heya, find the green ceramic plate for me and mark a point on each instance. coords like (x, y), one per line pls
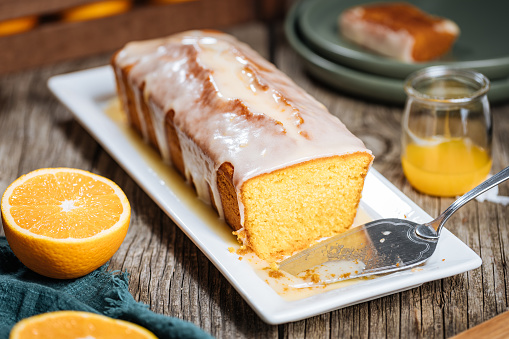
(352, 81)
(482, 44)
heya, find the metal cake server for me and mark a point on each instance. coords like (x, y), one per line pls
(378, 247)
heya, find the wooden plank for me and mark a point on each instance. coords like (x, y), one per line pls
(61, 41)
(19, 8)
(9, 9)
(495, 328)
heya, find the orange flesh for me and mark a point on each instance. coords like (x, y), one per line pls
(74, 324)
(65, 205)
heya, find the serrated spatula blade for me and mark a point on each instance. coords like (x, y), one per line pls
(380, 246)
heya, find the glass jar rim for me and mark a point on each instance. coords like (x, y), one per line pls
(437, 72)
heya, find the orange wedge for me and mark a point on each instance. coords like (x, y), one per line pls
(74, 324)
(64, 223)
(96, 10)
(17, 25)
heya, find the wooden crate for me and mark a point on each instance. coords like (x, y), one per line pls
(53, 40)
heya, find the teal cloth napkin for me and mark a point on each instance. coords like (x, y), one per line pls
(24, 293)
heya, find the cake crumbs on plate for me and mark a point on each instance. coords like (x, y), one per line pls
(276, 274)
(273, 271)
(231, 249)
(310, 274)
(243, 250)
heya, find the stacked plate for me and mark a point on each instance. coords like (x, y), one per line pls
(311, 28)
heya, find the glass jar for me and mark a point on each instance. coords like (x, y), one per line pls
(447, 130)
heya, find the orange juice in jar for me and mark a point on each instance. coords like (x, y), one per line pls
(447, 131)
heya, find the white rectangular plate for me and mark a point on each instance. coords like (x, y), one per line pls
(87, 93)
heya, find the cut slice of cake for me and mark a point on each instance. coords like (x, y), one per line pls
(399, 30)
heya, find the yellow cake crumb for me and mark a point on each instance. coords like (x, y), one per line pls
(321, 199)
(276, 274)
(242, 250)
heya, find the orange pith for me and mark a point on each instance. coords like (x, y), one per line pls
(74, 324)
(64, 223)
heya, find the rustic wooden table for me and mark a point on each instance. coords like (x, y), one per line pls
(169, 273)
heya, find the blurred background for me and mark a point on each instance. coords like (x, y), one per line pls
(39, 32)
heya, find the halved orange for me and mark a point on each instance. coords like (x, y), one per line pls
(75, 324)
(64, 223)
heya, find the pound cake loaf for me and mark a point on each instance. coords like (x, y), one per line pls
(275, 164)
(399, 30)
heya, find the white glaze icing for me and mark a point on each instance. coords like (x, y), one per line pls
(231, 105)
